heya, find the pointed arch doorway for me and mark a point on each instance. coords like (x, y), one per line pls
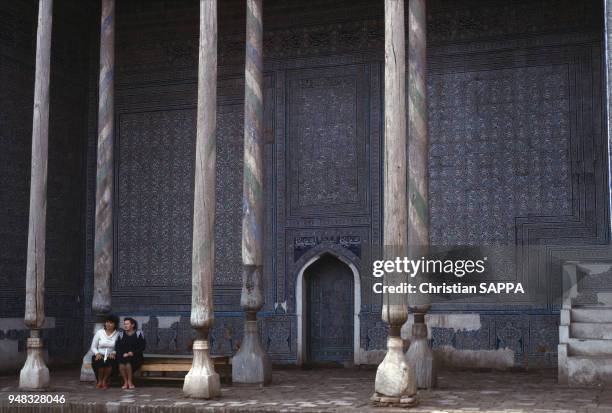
(328, 300)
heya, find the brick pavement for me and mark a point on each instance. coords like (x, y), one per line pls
(331, 390)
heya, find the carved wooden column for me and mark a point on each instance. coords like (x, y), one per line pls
(395, 381)
(202, 381)
(251, 364)
(607, 7)
(103, 238)
(35, 374)
(419, 354)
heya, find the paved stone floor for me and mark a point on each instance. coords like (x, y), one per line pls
(329, 390)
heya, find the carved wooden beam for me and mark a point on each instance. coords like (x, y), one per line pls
(395, 213)
(419, 354)
(202, 381)
(35, 374)
(395, 380)
(418, 209)
(103, 237)
(251, 364)
(253, 179)
(103, 242)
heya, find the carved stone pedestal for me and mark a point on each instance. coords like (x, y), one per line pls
(421, 358)
(394, 377)
(87, 373)
(34, 375)
(202, 382)
(251, 364)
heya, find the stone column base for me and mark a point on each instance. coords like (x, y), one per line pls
(34, 375)
(421, 358)
(202, 382)
(379, 400)
(87, 373)
(251, 364)
(562, 363)
(394, 376)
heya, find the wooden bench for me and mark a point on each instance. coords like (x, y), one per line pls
(174, 367)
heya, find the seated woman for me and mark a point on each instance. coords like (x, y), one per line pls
(103, 348)
(130, 347)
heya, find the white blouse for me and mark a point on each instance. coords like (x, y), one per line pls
(103, 343)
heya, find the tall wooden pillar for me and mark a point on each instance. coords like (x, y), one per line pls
(607, 36)
(103, 238)
(35, 374)
(419, 354)
(395, 381)
(202, 381)
(251, 364)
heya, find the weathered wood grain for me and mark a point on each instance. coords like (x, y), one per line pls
(251, 364)
(35, 269)
(35, 375)
(418, 210)
(103, 242)
(203, 258)
(202, 381)
(395, 213)
(394, 376)
(253, 201)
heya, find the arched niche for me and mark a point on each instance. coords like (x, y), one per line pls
(351, 261)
